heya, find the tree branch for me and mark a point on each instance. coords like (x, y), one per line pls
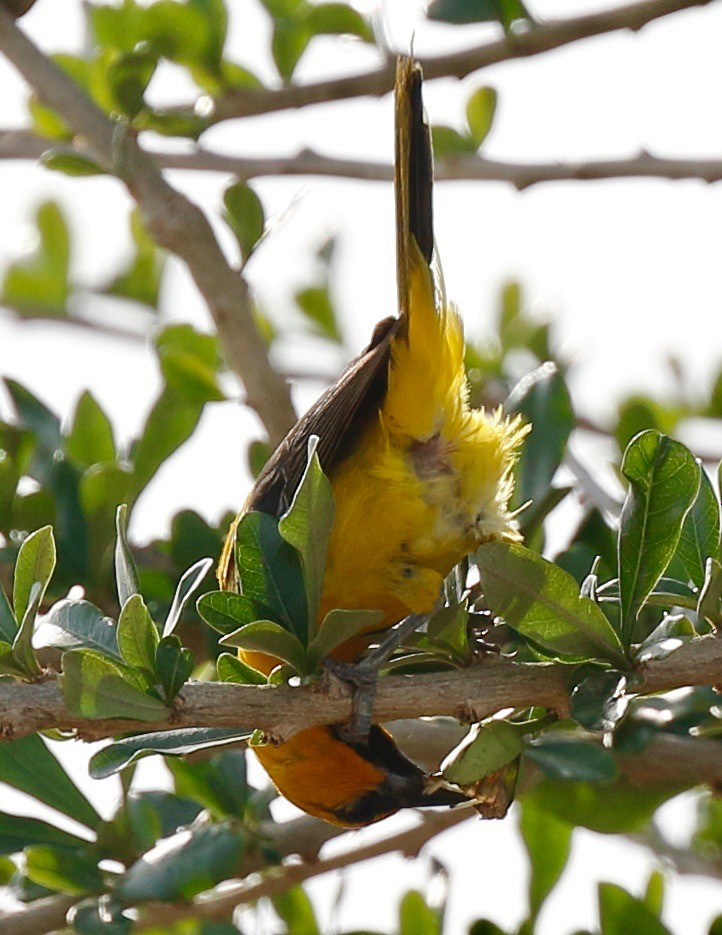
(467, 695)
(539, 38)
(23, 144)
(176, 224)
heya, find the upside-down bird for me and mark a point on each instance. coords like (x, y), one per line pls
(419, 480)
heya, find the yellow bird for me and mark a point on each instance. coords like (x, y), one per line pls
(419, 480)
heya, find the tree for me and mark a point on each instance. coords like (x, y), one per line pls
(591, 641)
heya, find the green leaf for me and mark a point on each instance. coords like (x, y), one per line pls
(416, 917)
(541, 398)
(189, 583)
(190, 862)
(90, 439)
(480, 110)
(171, 422)
(17, 833)
(39, 284)
(494, 744)
(35, 564)
(188, 367)
(548, 842)
(231, 669)
(542, 602)
(477, 11)
(654, 893)
(28, 765)
(265, 636)
(290, 38)
(565, 758)
(338, 19)
(226, 612)
(315, 303)
(126, 574)
(450, 144)
(270, 571)
(121, 754)
(669, 635)
(23, 652)
(127, 76)
(96, 687)
(8, 623)
(137, 635)
(710, 597)
(700, 536)
(99, 916)
(69, 163)
(85, 625)
(174, 664)
(307, 524)
(621, 913)
(664, 478)
(218, 784)
(63, 870)
(339, 626)
(140, 280)
(179, 32)
(244, 215)
(598, 701)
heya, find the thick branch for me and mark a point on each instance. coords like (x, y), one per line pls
(541, 38)
(23, 144)
(175, 222)
(468, 695)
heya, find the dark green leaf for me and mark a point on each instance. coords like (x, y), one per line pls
(258, 453)
(128, 76)
(17, 833)
(700, 536)
(126, 574)
(548, 842)
(565, 758)
(265, 636)
(673, 631)
(171, 422)
(270, 571)
(174, 665)
(231, 669)
(69, 163)
(117, 756)
(495, 743)
(542, 398)
(96, 687)
(306, 525)
(189, 583)
(664, 478)
(23, 652)
(477, 11)
(8, 623)
(226, 612)
(91, 917)
(35, 564)
(621, 913)
(598, 701)
(480, 110)
(63, 870)
(137, 635)
(191, 861)
(28, 765)
(543, 603)
(244, 215)
(90, 440)
(82, 625)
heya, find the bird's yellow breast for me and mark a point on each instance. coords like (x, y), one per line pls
(428, 479)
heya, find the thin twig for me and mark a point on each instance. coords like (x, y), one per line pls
(22, 144)
(468, 695)
(175, 222)
(378, 81)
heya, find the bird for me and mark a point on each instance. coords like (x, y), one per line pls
(420, 479)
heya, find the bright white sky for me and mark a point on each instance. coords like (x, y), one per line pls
(629, 269)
